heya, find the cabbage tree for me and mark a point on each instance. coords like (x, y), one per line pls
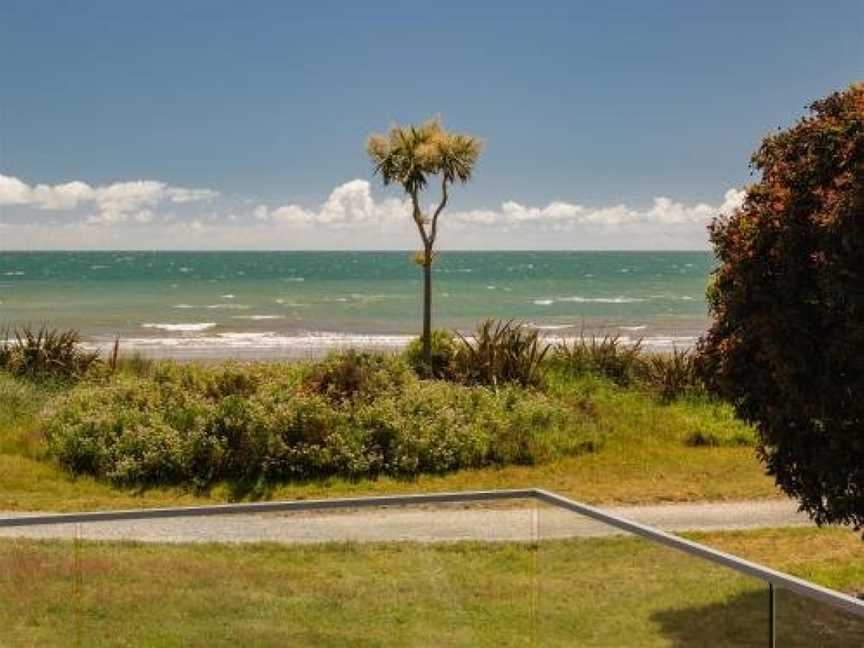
(413, 157)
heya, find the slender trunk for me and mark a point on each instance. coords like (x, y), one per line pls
(427, 308)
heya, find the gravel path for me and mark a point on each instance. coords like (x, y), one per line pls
(442, 523)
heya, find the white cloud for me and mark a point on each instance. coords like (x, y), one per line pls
(663, 211)
(732, 200)
(62, 196)
(349, 204)
(184, 195)
(13, 191)
(114, 203)
(153, 214)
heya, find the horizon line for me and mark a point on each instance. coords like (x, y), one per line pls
(351, 251)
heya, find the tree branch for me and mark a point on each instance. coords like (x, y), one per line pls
(439, 209)
(418, 220)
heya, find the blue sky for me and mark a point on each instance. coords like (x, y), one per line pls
(601, 108)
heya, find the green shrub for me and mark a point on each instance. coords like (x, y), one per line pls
(708, 422)
(436, 426)
(17, 398)
(499, 353)
(537, 429)
(136, 364)
(431, 428)
(197, 425)
(349, 374)
(444, 346)
(117, 361)
(5, 349)
(606, 356)
(44, 352)
(670, 375)
(21, 402)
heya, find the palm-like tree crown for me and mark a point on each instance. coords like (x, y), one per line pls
(409, 155)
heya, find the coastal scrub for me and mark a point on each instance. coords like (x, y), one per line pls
(351, 415)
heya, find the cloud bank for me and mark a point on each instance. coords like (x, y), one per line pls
(114, 203)
(153, 214)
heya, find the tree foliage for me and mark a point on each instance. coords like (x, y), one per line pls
(787, 342)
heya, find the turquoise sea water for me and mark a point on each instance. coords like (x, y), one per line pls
(295, 303)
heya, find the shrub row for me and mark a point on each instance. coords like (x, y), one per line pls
(352, 415)
(497, 353)
(505, 352)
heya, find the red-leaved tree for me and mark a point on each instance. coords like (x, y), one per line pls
(787, 342)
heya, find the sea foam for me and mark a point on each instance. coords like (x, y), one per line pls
(181, 328)
(601, 300)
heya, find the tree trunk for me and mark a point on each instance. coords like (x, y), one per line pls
(427, 308)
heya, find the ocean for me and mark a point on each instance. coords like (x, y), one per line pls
(301, 304)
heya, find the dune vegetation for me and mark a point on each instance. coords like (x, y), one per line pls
(595, 419)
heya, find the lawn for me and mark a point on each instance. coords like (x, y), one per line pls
(588, 592)
(645, 457)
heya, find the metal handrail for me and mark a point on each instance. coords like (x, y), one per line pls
(267, 507)
(772, 577)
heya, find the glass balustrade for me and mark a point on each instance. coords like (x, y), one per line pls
(488, 570)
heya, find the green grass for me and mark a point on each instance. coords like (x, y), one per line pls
(645, 457)
(587, 592)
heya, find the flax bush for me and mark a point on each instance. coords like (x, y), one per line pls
(44, 353)
(671, 375)
(499, 353)
(605, 356)
(496, 353)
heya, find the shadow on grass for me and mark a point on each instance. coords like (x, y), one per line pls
(249, 490)
(231, 491)
(743, 621)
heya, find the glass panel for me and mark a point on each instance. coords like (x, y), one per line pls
(602, 587)
(802, 621)
(414, 576)
(443, 575)
(510, 573)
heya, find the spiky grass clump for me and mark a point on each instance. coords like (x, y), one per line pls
(45, 352)
(501, 352)
(608, 357)
(671, 375)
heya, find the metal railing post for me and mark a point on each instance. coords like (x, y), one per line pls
(772, 617)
